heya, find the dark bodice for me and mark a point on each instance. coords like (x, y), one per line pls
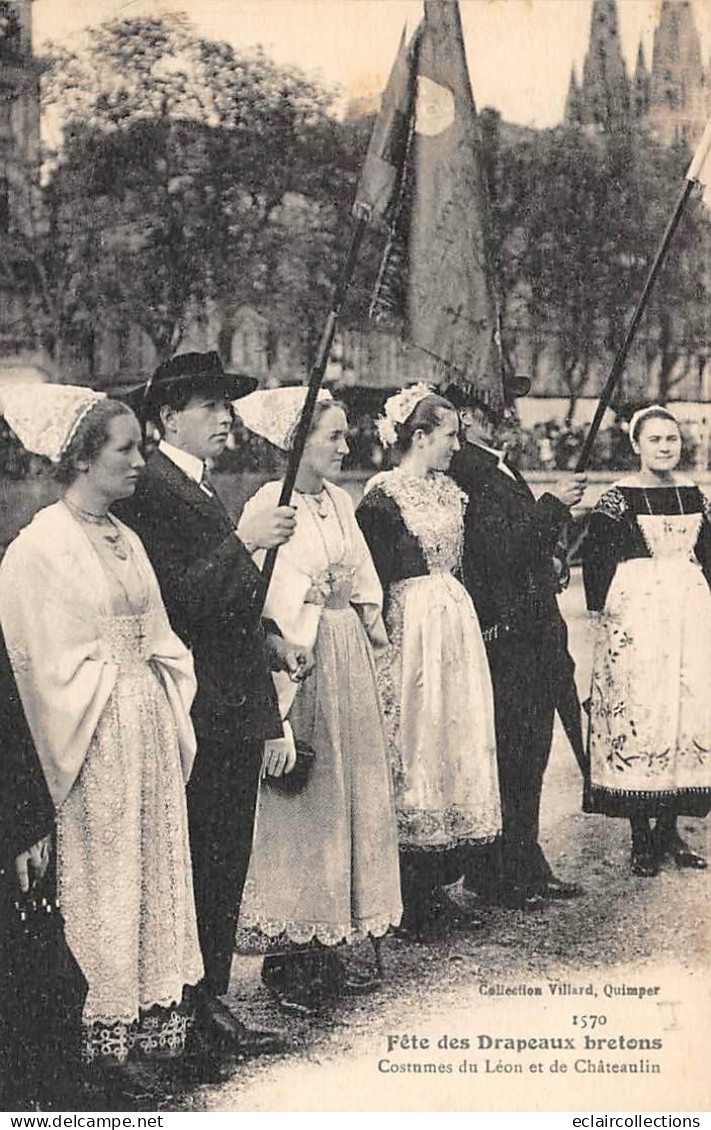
(413, 526)
(615, 535)
(397, 554)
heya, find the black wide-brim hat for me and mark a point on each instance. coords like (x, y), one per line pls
(516, 386)
(201, 372)
(467, 396)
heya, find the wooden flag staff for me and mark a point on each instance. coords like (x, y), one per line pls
(316, 375)
(621, 358)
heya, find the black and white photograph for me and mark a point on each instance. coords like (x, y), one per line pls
(355, 558)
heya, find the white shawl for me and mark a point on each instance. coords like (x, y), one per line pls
(300, 562)
(54, 600)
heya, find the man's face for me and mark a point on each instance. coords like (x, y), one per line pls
(478, 427)
(202, 427)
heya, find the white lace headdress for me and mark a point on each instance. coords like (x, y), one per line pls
(651, 409)
(45, 417)
(397, 410)
(273, 413)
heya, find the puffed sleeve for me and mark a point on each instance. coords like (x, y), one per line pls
(378, 518)
(603, 548)
(286, 604)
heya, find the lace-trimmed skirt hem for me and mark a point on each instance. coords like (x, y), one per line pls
(261, 936)
(171, 998)
(159, 1031)
(423, 830)
(450, 845)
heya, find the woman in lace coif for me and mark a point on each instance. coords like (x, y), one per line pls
(324, 865)
(647, 571)
(107, 688)
(435, 681)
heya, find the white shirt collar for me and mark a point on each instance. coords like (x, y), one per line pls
(500, 457)
(189, 464)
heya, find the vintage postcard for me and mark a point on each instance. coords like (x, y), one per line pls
(586, 987)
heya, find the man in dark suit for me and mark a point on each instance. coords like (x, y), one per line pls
(213, 593)
(26, 823)
(509, 572)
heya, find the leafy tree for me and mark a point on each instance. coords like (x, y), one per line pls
(56, 251)
(577, 219)
(677, 325)
(184, 157)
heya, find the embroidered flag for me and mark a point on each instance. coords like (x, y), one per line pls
(378, 181)
(434, 285)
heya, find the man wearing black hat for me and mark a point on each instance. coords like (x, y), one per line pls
(214, 593)
(509, 572)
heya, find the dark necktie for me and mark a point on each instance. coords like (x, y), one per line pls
(208, 489)
(206, 483)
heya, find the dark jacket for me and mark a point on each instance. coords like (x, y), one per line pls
(213, 593)
(509, 540)
(42, 989)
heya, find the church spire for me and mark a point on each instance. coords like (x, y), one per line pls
(15, 29)
(680, 96)
(640, 86)
(573, 102)
(605, 89)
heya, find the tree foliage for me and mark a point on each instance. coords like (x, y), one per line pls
(186, 158)
(576, 221)
(188, 174)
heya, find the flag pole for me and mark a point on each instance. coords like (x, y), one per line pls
(377, 184)
(619, 362)
(362, 215)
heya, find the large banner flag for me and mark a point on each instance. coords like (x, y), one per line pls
(378, 184)
(700, 167)
(423, 173)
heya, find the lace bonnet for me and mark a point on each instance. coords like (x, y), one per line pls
(398, 409)
(45, 417)
(273, 413)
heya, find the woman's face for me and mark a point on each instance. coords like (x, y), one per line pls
(441, 443)
(658, 444)
(113, 474)
(326, 446)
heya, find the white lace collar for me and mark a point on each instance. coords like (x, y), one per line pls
(432, 508)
